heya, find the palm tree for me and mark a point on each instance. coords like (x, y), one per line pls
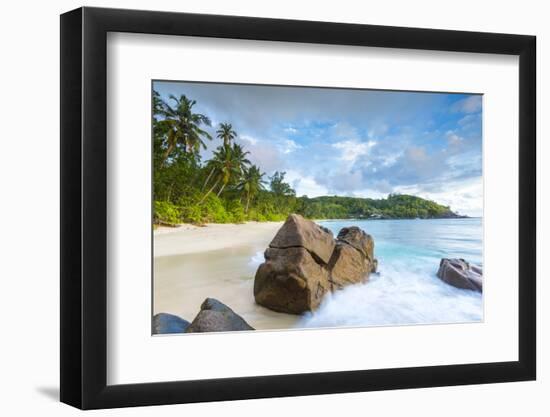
(183, 126)
(227, 164)
(221, 166)
(226, 133)
(251, 183)
(239, 155)
(157, 104)
(234, 164)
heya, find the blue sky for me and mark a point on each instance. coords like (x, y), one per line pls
(364, 143)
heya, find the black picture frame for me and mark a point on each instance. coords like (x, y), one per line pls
(84, 207)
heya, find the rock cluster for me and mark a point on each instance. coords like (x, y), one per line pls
(461, 274)
(304, 262)
(214, 316)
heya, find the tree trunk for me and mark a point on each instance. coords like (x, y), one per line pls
(209, 191)
(221, 189)
(169, 196)
(167, 154)
(208, 178)
(247, 201)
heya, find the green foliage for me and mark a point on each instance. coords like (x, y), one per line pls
(191, 212)
(396, 206)
(180, 125)
(229, 189)
(166, 212)
(213, 210)
(251, 183)
(278, 186)
(235, 210)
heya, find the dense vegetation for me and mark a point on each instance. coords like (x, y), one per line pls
(228, 188)
(396, 206)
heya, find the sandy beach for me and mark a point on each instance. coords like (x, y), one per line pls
(188, 238)
(217, 260)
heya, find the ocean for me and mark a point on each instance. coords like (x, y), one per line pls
(406, 289)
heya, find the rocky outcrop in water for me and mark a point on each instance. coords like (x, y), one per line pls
(215, 316)
(304, 262)
(461, 274)
(357, 238)
(353, 257)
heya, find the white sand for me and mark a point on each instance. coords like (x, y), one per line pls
(188, 238)
(219, 261)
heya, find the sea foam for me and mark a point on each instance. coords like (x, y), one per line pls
(397, 296)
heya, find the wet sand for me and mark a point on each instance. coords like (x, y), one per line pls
(218, 261)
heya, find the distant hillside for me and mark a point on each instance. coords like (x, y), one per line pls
(396, 206)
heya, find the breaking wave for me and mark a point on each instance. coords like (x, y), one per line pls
(397, 296)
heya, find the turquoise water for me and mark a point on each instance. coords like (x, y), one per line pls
(406, 290)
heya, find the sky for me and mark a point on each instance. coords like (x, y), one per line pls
(353, 142)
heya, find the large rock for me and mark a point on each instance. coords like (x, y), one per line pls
(348, 266)
(164, 323)
(290, 281)
(217, 317)
(460, 274)
(300, 232)
(304, 262)
(357, 238)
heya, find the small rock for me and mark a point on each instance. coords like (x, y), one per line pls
(164, 323)
(217, 317)
(460, 274)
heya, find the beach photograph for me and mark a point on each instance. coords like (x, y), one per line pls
(293, 207)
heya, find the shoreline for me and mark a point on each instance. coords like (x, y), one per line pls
(187, 238)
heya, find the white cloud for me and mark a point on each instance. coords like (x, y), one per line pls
(351, 149)
(468, 120)
(263, 153)
(344, 130)
(453, 139)
(342, 180)
(249, 139)
(305, 185)
(390, 159)
(377, 131)
(288, 146)
(470, 104)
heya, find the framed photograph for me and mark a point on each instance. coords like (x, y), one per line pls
(257, 208)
